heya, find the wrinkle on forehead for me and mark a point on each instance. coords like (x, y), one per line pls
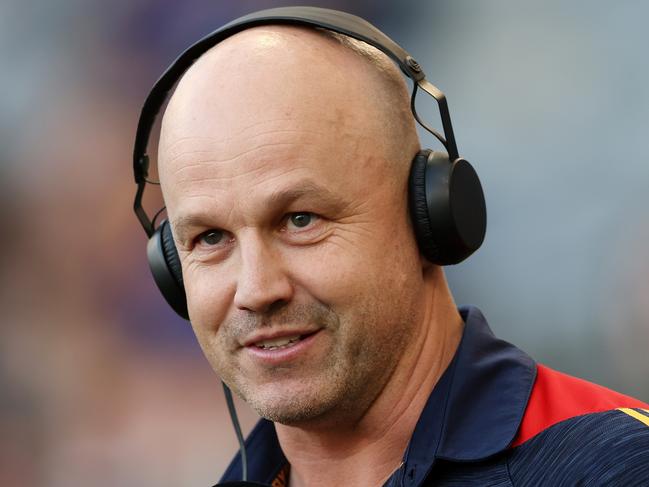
(244, 154)
(265, 135)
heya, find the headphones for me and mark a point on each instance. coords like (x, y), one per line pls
(446, 202)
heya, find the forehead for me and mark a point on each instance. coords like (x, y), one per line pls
(262, 74)
(273, 155)
(261, 109)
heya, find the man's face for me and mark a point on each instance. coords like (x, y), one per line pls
(300, 268)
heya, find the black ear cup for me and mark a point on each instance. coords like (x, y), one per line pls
(447, 207)
(165, 267)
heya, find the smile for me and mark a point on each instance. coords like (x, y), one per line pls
(278, 350)
(277, 343)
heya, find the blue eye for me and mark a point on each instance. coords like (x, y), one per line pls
(301, 220)
(211, 237)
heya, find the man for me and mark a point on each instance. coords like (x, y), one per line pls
(284, 160)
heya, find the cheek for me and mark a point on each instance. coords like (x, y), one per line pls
(209, 298)
(328, 272)
(348, 275)
(209, 295)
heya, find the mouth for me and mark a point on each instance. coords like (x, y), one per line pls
(281, 349)
(279, 343)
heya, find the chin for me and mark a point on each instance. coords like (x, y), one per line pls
(315, 408)
(293, 403)
(292, 409)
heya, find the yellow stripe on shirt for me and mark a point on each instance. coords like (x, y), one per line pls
(635, 414)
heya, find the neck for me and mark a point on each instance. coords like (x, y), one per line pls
(367, 451)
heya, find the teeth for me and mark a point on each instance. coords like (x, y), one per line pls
(276, 343)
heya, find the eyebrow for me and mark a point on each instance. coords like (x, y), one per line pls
(277, 200)
(181, 226)
(307, 189)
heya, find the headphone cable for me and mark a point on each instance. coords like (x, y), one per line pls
(237, 430)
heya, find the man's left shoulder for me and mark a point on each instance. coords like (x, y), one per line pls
(606, 448)
(575, 431)
(557, 397)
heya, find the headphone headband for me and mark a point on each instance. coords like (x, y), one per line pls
(332, 20)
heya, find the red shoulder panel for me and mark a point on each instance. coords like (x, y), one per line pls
(556, 397)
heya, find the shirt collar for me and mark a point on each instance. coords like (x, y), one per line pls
(477, 405)
(473, 412)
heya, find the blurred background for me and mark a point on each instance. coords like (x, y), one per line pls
(103, 385)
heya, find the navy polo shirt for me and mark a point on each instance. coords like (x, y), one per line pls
(470, 431)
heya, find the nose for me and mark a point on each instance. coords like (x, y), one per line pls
(262, 281)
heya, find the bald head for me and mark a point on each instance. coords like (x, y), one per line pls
(281, 72)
